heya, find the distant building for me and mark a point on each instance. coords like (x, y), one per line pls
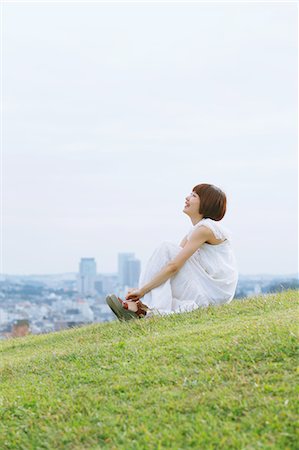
(122, 267)
(110, 283)
(99, 286)
(128, 269)
(87, 276)
(133, 267)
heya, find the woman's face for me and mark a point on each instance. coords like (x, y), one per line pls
(192, 203)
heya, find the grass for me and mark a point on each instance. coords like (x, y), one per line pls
(216, 378)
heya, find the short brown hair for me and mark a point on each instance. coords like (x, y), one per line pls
(212, 201)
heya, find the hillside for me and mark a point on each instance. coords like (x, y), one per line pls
(221, 377)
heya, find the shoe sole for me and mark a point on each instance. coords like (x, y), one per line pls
(111, 306)
(124, 314)
(120, 312)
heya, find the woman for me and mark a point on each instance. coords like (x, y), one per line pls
(198, 272)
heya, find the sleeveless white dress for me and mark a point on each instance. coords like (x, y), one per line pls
(208, 277)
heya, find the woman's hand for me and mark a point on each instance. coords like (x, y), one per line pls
(134, 294)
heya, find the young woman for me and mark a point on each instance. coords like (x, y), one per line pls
(198, 272)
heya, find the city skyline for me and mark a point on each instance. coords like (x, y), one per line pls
(116, 272)
(108, 126)
(90, 281)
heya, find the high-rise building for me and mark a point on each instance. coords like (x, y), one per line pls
(122, 267)
(87, 276)
(134, 266)
(128, 270)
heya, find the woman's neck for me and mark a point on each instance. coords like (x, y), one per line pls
(196, 220)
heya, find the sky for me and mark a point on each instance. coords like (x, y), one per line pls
(113, 113)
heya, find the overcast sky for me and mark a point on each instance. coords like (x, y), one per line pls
(113, 113)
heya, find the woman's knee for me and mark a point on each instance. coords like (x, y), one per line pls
(168, 248)
(169, 245)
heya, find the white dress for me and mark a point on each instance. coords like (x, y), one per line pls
(208, 277)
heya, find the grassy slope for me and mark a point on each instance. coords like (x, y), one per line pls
(221, 377)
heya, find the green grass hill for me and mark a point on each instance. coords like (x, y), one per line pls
(216, 378)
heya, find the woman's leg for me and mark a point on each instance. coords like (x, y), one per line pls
(182, 292)
(159, 298)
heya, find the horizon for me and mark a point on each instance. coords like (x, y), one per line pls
(116, 273)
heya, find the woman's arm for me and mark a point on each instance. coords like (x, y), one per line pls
(167, 272)
(184, 242)
(197, 238)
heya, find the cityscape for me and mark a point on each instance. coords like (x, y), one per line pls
(36, 304)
